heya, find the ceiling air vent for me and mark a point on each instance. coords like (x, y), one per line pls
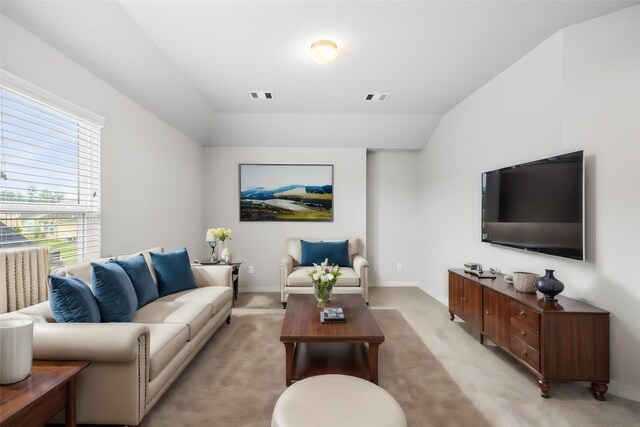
(377, 96)
(259, 95)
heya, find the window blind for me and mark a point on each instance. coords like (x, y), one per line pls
(49, 174)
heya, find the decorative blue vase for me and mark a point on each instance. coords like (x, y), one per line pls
(549, 286)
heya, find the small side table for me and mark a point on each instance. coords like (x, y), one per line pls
(50, 388)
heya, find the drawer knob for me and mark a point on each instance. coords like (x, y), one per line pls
(522, 313)
(523, 333)
(524, 352)
(488, 312)
(462, 299)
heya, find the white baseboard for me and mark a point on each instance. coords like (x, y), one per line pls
(622, 390)
(393, 284)
(260, 289)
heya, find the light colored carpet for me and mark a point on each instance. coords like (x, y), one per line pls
(239, 374)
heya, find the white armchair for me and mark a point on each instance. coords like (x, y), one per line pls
(294, 279)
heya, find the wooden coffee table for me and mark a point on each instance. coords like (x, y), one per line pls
(314, 348)
(33, 401)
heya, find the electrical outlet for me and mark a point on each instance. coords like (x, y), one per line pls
(399, 266)
(250, 269)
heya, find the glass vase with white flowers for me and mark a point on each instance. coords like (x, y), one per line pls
(324, 278)
(222, 234)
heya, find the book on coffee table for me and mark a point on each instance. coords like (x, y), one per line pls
(332, 315)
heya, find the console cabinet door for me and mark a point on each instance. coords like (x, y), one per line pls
(496, 317)
(455, 294)
(472, 301)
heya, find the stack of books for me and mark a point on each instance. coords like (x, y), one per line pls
(332, 315)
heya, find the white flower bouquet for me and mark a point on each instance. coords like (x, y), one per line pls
(324, 277)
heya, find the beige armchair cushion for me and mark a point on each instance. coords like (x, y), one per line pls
(299, 277)
(194, 315)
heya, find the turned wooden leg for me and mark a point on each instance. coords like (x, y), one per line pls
(599, 389)
(229, 320)
(452, 315)
(544, 388)
(481, 339)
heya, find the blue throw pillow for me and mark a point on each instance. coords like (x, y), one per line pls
(173, 271)
(114, 291)
(71, 300)
(316, 252)
(138, 271)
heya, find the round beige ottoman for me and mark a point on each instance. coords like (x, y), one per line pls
(336, 401)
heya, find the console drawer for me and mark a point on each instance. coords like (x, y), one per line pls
(524, 332)
(526, 315)
(524, 352)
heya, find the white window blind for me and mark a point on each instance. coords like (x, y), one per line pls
(49, 173)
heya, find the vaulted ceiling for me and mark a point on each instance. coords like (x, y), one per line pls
(193, 63)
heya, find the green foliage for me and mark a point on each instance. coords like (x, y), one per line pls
(32, 195)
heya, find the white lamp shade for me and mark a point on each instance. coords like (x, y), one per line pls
(210, 236)
(324, 51)
(16, 350)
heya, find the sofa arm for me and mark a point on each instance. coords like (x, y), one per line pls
(94, 342)
(212, 275)
(286, 265)
(361, 266)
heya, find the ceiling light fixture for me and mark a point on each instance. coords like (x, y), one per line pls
(324, 51)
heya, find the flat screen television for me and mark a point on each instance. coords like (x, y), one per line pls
(536, 206)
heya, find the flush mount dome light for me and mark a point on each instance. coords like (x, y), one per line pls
(324, 51)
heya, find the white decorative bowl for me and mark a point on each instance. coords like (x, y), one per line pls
(16, 350)
(525, 282)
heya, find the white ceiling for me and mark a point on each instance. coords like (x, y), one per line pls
(192, 63)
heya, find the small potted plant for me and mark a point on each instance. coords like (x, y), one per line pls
(324, 277)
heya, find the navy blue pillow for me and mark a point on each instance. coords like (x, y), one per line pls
(316, 252)
(114, 291)
(71, 300)
(138, 271)
(173, 271)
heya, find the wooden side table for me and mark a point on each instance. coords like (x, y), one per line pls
(33, 401)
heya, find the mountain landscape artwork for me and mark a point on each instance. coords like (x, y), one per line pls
(285, 192)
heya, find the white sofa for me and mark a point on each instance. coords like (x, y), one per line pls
(294, 278)
(133, 364)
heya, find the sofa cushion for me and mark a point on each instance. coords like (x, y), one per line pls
(167, 339)
(114, 291)
(193, 314)
(217, 296)
(144, 285)
(299, 277)
(173, 271)
(336, 253)
(72, 301)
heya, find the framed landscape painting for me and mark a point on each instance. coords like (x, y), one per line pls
(286, 192)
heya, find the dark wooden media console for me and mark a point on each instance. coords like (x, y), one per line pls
(563, 341)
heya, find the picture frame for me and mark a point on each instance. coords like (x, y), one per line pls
(285, 192)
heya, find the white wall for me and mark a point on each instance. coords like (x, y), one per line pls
(392, 217)
(373, 131)
(151, 173)
(580, 89)
(261, 244)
